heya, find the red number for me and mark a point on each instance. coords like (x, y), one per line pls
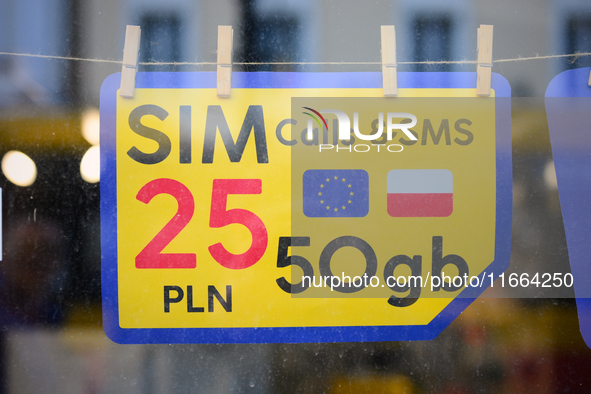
(221, 217)
(151, 256)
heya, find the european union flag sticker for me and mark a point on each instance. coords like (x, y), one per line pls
(336, 193)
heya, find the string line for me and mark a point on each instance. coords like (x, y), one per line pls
(427, 62)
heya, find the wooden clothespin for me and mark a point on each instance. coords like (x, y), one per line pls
(131, 51)
(225, 38)
(389, 64)
(484, 68)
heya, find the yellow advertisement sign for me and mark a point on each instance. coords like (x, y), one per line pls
(209, 204)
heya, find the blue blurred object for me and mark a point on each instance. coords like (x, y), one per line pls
(568, 107)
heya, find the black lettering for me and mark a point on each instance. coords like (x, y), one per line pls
(439, 262)
(324, 136)
(429, 130)
(280, 136)
(406, 142)
(226, 304)
(371, 261)
(216, 120)
(350, 141)
(467, 133)
(335, 135)
(164, 144)
(384, 137)
(168, 300)
(335, 132)
(416, 271)
(185, 134)
(283, 260)
(190, 307)
(313, 141)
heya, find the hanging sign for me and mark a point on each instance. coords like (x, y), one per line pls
(304, 208)
(568, 99)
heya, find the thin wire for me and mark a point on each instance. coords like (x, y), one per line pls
(61, 57)
(428, 62)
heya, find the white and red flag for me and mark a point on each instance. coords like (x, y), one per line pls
(420, 193)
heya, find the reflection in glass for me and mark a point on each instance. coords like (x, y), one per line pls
(91, 126)
(161, 38)
(90, 166)
(19, 168)
(433, 42)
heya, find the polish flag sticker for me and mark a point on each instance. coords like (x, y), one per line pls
(420, 193)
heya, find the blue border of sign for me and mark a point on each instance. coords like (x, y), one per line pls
(570, 149)
(269, 80)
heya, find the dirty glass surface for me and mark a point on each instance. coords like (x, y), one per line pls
(51, 336)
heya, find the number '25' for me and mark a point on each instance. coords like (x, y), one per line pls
(151, 255)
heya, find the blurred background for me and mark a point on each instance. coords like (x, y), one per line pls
(51, 337)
